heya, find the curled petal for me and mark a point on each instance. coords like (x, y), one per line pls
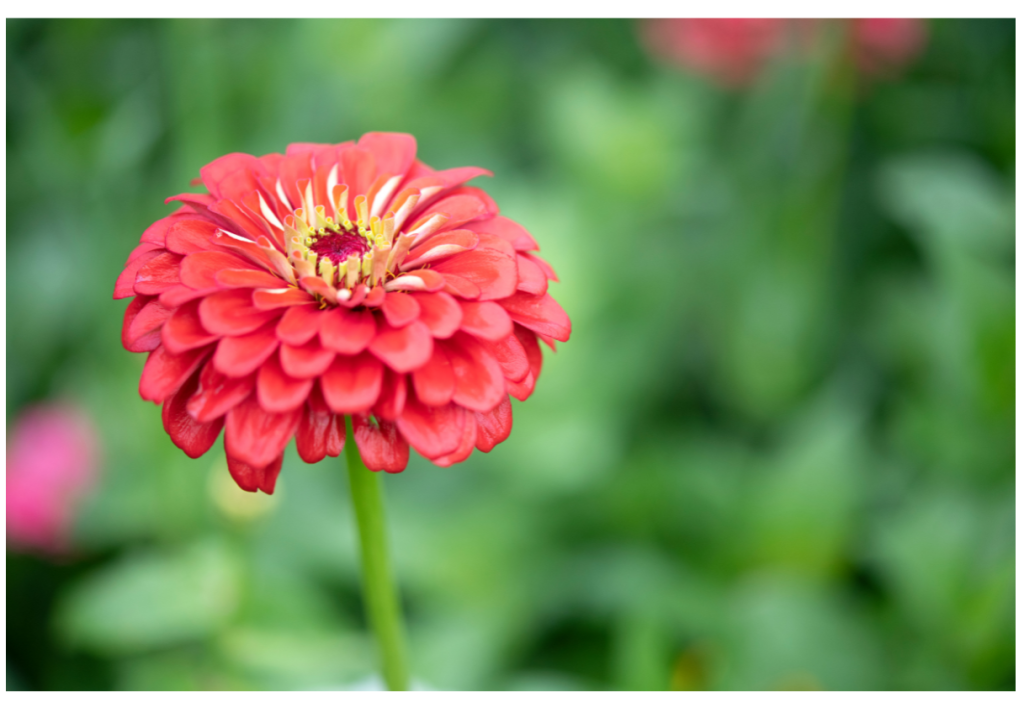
(272, 298)
(433, 432)
(512, 232)
(405, 348)
(184, 331)
(320, 434)
(486, 320)
(240, 356)
(400, 309)
(493, 272)
(352, 383)
(441, 246)
(257, 437)
(494, 427)
(392, 396)
(191, 235)
(467, 440)
(125, 286)
(347, 332)
(143, 319)
(232, 313)
(434, 382)
(539, 313)
(164, 372)
(252, 479)
(218, 393)
(158, 274)
(381, 446)
(511, 357)
(300, 324)
(440, 312)
(277, 391)
(192, 437)
(306, 361)
(479, 383)
(531, 277)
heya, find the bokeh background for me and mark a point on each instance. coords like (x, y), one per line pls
(777, 453)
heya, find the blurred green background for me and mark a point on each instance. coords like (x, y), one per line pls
(778, 451)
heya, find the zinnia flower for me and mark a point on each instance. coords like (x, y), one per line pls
(51, 466)
(336, 280)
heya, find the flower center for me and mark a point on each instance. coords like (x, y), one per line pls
(338, 246)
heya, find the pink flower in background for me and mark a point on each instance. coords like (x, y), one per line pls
(733, 52)
(51, 465)
(884, 45)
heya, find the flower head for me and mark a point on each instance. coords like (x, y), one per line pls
(334, 280)
(51, 465)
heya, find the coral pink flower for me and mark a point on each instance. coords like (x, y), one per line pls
(335, 280)
(51, 465)
(733, 52)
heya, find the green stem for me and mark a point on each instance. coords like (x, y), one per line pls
(379, 592)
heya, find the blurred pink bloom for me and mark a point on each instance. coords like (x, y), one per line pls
(733, 52)
(51, 465)
(883, 45)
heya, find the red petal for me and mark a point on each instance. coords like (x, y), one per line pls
(158, 274)
(271, 299)
(441, 246)
(183, 331)
(466, 442)
(193, 438)
(277, 391)
(164, 372)
(393, 152)
(125, 286)
(218, 393)
(459, 209)
(300, 324)
(400, 309)
(486, 320)
(434, 382)
(531, 278)
(238, 278)
(392, 396)
(188, 236)
(494, 427)
(240, 356)
(320, 434)
(544, 266)
(359, 168)
(403, 349)
(479, 383)
(512, 232)
(306, 361)
(180, 294)
(539, 313)
(380, 445)
(232, 313)
(199, 270)
(521, 390)
(493, 272)
(143, 319)
(256, 437)
(375, 297)
(511, 357)
(352, 383)
(347, 332)
(231, 175)
(250, 479)
(440, 312)
(433, 432)
(462, 287)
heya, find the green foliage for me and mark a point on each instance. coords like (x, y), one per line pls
(777, 453)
